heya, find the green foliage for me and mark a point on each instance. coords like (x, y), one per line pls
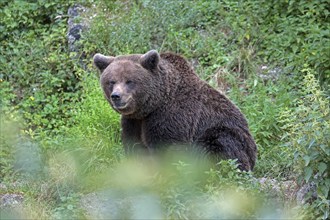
(23, 16)
(286, 33)
(183, 28)
(226, 175)
(300, 34)
(190, 182)
(308, 132)
(41, 83)
(7, 139)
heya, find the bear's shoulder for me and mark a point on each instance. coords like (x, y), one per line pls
(179, 63)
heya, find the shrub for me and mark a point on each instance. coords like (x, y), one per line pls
(308, 132)
(41, 83)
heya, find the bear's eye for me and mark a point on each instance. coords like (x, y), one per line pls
(112, 82)
(129, 82)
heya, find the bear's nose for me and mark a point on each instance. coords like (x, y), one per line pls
(115, 96)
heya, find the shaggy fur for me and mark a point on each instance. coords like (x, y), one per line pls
(164, 103)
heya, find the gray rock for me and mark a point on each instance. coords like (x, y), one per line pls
(307, 193)
(286, 189)
(266, 73)
(10, 200)
(290, 190)
(76, 24)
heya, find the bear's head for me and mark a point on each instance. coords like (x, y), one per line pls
(132, 83)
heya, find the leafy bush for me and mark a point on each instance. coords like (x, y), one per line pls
(308, 132)
(41, 84)
(293, 33)
(304, 36)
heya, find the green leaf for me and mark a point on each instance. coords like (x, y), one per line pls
(307, 160)
(325, 149)
(308, 173)
(322, 167)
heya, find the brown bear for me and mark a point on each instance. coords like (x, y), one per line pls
(163, 102)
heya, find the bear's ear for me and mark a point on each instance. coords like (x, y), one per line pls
(150, 60)
(101, 61)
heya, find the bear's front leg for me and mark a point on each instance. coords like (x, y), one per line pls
(131, 137)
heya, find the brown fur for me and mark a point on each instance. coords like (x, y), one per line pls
(163, 102)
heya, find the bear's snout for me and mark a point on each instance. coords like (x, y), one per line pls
(122, 102)
(115, 96)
